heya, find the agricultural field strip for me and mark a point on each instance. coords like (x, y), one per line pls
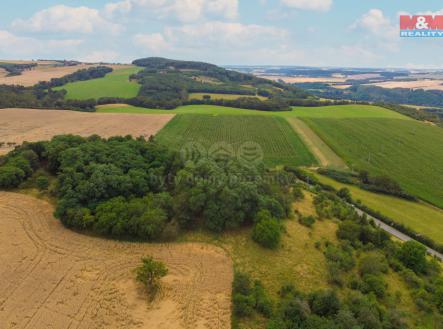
(58, 278)
(114, 84)
(325, 156)
(280, 143)
(19, 125)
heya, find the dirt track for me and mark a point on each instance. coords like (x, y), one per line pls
(51, 277)
(19, 125)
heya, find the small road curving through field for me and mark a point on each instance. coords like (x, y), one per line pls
(52, 277)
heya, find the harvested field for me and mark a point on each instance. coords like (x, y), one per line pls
(45, 73)
(19, 125)
(52, 277)
(302, 79)
(417, 84)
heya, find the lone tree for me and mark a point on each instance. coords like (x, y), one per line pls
(149, 274)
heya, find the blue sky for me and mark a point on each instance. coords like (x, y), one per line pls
(358, 33)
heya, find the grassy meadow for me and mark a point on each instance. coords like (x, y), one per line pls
(114, 84)
(384, 143)
(278, 141)
(421, 217)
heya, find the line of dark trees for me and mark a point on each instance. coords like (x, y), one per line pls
(80, 75)
(42, 95)
(16, 69)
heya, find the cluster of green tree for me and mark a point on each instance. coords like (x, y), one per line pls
(30, 97)
(378, 184)
(167, 83)
(311, 180)
(80, 75)
(357, 234)
(16, 69)
(123, 187)
(249, 103)
(374, 94)
(322, 309)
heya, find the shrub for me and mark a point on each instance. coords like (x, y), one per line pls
(375, 284)
(373, 263)
(42, 182)
(11, 176)
(307, 221)
(267, 233)
(243, 305)
(413, 255)
(324, 303)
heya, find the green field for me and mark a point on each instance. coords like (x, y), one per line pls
(199, 96)
(364, 136)
(114, 84)
(274, 136)
(421, 217)
(384, 143)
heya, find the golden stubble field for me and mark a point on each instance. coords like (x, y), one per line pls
(19, 125)
(45, 73)
(52, 277)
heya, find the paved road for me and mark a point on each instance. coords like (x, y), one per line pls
(395, 232)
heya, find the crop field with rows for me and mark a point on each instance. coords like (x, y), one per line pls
(278, 142)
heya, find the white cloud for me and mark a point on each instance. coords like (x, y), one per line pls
(13, 45)
(221, 42)
(100, 56)
(183, 10)
(316, 5)
(63, 18)
(377, 24)
(155, 42)
(213, 34)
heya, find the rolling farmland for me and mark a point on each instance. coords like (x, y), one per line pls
(221, 96)
(385, 143)
(115, 84)
(274, 135)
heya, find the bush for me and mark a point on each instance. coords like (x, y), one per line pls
(42, 182)
(324, 303)
(11, 177)
(373, 263)
(375, 284)
(243, 305)
(413, 255)
(307, 221)
(267, 233)
(149, 274)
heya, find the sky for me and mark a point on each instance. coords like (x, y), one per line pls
(345, 33)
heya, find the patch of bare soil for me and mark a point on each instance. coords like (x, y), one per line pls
(19, 125)
(52, 277)
(45, 73)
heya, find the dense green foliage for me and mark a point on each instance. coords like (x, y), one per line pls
(267, 230)
(405, 150)
(123, 187)
(271, 137)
